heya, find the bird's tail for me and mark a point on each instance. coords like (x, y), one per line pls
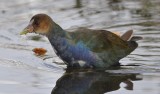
(128, 36)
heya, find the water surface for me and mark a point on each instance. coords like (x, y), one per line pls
(21, 72)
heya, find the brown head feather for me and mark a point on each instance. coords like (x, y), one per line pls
(41, 23)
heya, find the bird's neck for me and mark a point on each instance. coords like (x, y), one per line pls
(58, 38)
(56, 31)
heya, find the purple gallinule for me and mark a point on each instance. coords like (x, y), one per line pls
(84, 47)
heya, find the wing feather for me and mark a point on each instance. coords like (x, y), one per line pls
(107, 45)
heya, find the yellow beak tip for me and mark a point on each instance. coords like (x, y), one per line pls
(23, 32)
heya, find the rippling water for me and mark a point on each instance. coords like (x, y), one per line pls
(21, 72)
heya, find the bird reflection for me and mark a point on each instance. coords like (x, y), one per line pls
(92, 82)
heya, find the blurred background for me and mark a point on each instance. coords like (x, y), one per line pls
(21, 72)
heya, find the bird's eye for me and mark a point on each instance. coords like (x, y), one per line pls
(36, 23)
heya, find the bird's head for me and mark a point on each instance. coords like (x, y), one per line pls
(39, 23)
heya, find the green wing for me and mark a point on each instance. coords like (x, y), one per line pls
(108, 46)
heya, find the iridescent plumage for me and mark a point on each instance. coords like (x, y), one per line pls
(84, 47)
